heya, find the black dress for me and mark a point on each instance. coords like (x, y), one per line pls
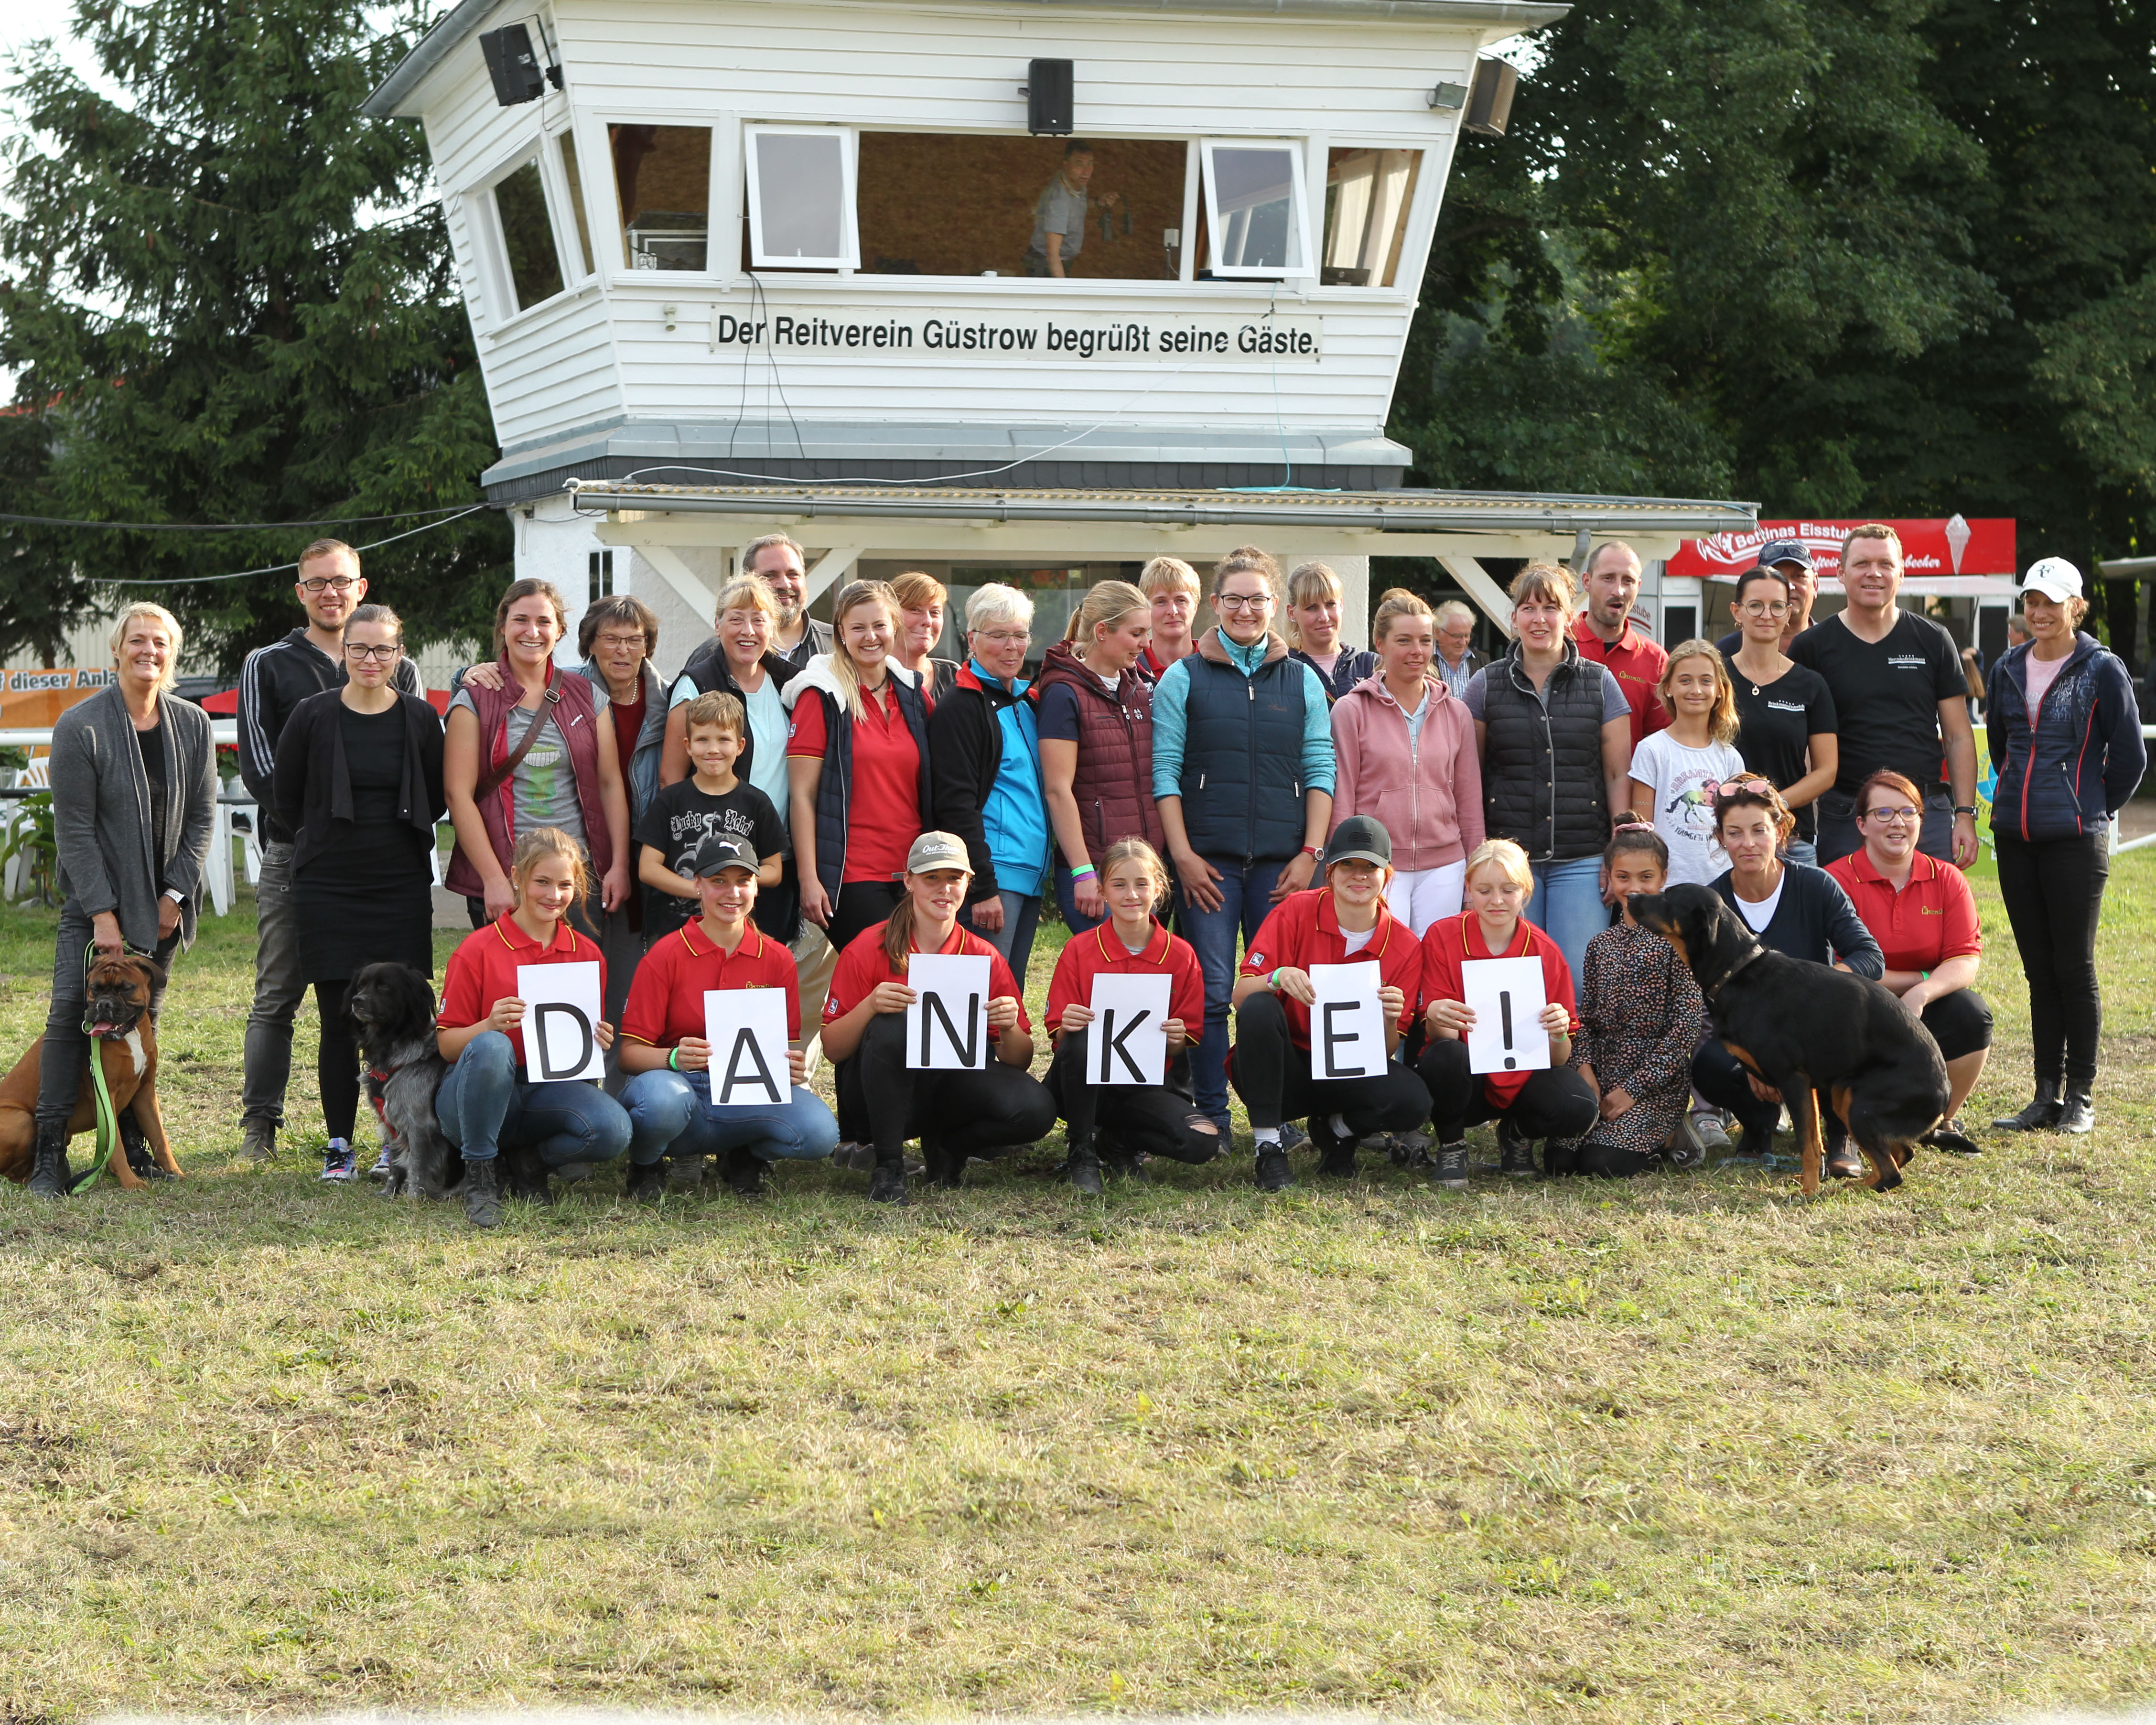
(368, 897)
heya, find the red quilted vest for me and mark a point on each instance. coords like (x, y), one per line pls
(1114, 780)
(578, 718)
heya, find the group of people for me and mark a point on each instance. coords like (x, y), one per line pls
(804, 806)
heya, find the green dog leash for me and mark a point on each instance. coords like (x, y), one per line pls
(108, 1118)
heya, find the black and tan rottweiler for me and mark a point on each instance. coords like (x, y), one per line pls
(1796, 1026)
(124, 1041)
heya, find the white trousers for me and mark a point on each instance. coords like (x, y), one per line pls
(1423, 897)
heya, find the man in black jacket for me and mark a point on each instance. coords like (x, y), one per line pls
(274, 680)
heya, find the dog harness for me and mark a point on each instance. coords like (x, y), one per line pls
(377, 1080)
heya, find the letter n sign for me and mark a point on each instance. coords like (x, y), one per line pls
(946, 1026)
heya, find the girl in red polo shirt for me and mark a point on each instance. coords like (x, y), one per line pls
(663, 1041)
(486, 1107)
(1557, 1102)
(956, 1114)
(1116, 1124)
(1344, 922)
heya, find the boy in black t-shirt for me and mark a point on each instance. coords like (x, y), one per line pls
(709, 802)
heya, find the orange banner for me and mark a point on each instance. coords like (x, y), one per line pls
(32, 700)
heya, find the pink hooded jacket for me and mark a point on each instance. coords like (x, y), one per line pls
(1428, 796)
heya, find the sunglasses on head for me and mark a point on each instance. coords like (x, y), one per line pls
(1731, 787)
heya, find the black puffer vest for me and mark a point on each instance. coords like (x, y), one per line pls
(1542, 759)
(1242, 753)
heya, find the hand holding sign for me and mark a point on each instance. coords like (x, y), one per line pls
(1347, 1021)
(946, 1026)
(749, 1064)
(1508, 1000)
(1129, 1032)
(561, 1024)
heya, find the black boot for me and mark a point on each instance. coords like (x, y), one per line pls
(647, 1181)
(2041, 1116)
(50, 1176)
(744, 1173)
(2076, 1113)
(887, 1184)
(483, 1193)
(1083, 1167)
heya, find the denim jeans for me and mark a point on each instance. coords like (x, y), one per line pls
(1567, 906)
(266, 1061)
(484, 1106)
(1066, 900)
(1014, 939)
(673, 1111)
(1801, 850)
(1245, 902)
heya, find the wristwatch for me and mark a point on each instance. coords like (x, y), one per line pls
(1315, 852)
(1967, 808)
(176, 896)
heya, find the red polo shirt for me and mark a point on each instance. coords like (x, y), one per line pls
(1931, 920)
(864, 964)
(1637, 664)
(1454, 940)
(1099, 951)
(882, 803)
(666, 1000)
(1304, 930)
(483, 970)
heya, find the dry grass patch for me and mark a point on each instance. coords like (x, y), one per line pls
(1676, 1449)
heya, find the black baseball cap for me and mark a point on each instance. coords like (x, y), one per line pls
(1359, 836)
(718, 851)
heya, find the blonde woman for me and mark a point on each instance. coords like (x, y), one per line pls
(858, 769)
(134, 793)
(1674, 771)
(1171, 586)
(1314, 599)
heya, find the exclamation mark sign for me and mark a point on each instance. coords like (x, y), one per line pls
(1505, 1017)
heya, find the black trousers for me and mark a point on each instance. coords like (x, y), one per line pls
(1155, 1119)
(1556, 1102)
(1272, 1076)
(1960, 1023)
(860, 906)
(972, 1113)
(2054, 894)
(336, 1062)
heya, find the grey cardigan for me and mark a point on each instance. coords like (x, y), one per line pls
(102, 813)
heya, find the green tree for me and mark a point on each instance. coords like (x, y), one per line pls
(233, 299)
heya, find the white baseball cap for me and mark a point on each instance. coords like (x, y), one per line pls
(2054, 577)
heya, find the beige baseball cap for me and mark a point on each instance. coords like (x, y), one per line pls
(937, 850)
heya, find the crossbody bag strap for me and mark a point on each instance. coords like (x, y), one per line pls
(499, 777)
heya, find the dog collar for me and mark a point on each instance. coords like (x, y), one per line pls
(1722, 980)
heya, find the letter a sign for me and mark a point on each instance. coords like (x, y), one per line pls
(1127, 1043)
(746, 1029)
(946, 1028)
(560, 1008)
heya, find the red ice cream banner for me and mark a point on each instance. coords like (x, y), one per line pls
(1952, 547)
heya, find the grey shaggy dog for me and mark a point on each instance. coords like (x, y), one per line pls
(391, 1010)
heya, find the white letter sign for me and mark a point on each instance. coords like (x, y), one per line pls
(1127, 1041)
(1347, 1023)
(1506, 997)
(746, 1029)
(561, 1007)
(946, 1028)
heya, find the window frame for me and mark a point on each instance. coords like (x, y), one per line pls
(577, 235)
(1296, 150)
(492, 236)
(848, 260)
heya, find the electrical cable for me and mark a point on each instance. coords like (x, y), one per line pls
(276, 568)
(331, 520)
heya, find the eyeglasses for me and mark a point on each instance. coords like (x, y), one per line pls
(1242, 601)
(1733, 786)
(1894, 817)
(356, 652)
(1765, 608)
(621, 643)
(336, 583)
(1008, 638)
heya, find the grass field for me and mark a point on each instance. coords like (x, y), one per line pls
(1682, 1449)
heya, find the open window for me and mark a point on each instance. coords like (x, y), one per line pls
(1256, 211)
(573, 179)
(801, 198)
(662, 181)
(531, 263)
(1367, 193)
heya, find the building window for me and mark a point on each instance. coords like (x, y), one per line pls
(662, 183)
(574, 180)
(934, 203)
(602, 576)
(527, 236)
(1367, 196)
(801, 198)
(1255, 212)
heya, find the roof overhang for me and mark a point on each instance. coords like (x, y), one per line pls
(396, 97)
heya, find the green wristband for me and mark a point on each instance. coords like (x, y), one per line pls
(674, 1058)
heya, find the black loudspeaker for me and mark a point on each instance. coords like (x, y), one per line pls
(1489, 105)
(1050, 99)
(512, 65)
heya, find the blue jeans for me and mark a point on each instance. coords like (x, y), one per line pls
(1245, 902)
(484, 1107)
(1014, 939)
(1801, 850)
(674, 1110)
(1066, 900)
(1567, 906)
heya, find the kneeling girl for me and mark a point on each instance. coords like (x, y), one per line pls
(486, 1108)
(662, 1044)
(1556, 1103)
(1116, 1124)
(883, 1101)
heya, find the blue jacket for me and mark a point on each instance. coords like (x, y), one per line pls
(2073, 769)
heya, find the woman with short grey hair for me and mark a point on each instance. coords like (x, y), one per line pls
(134, 798)
(984, 752)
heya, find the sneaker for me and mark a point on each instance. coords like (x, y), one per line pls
(1336, 1155)
(382, 1165)
(1272, 1172)
(1450, 1170)
(887, 1185)
(1083, 1168)
(257, 1140)
(1293, 1137)
(744, 1173)
(1686, 1147)
(340, 1161)
(1516, 1154)
(684, 1173)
